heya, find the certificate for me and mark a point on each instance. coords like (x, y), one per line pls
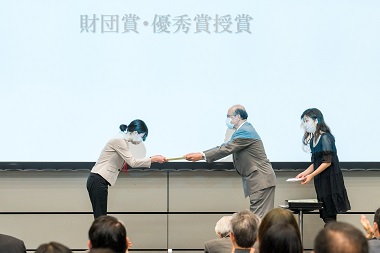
(176, 158)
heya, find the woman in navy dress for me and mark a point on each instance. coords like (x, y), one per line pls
(325, 169)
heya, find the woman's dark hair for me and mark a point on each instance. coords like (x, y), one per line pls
(136, 125)
(315, 114)
(53, 247)
(278, 216)
(281, 238)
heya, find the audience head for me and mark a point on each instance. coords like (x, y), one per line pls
(222, 227)
(101, 251)
(340, 237)
(53, 247)
(281, 238)
(244, 228)
(278, 216)
(376, 222)
(108, 232)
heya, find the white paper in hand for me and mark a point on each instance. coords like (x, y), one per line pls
(293, 179)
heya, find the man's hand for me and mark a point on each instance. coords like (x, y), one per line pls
(193, 157)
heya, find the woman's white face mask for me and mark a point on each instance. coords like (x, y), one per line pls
(309, 125)
(137, 138)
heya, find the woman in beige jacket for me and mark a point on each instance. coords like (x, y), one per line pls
(115, 155)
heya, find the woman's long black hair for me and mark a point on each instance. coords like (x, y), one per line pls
(314, 114)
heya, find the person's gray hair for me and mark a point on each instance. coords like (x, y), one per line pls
(223, 226)
(245, 226)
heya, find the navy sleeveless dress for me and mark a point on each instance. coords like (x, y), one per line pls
(329, 184)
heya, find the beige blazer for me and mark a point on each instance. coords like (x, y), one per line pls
(112, 158)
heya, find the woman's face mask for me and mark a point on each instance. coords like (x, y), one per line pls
(309, 125)
(137, 138)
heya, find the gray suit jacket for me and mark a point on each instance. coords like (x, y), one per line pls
(374, 245)
(219, 245)
(112, 158)
(9, 244)
(249, 159)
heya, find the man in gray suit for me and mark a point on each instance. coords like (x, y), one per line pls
(223, 243)
(249, 159)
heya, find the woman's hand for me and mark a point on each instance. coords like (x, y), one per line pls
(158, 159)
(307, 179)
(306, 172)
(311, 174)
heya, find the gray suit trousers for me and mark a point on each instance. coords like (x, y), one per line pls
(261, 202)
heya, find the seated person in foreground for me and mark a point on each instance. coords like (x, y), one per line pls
(107, 232)
(10, 244)
(278, 216)
(281, 238)
(223, 243)
(340, 237)
(244, 228)
(100, 250)
(53, 247)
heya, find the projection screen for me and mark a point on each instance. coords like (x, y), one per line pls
(73, 71)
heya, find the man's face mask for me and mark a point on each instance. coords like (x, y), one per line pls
(228, 121)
